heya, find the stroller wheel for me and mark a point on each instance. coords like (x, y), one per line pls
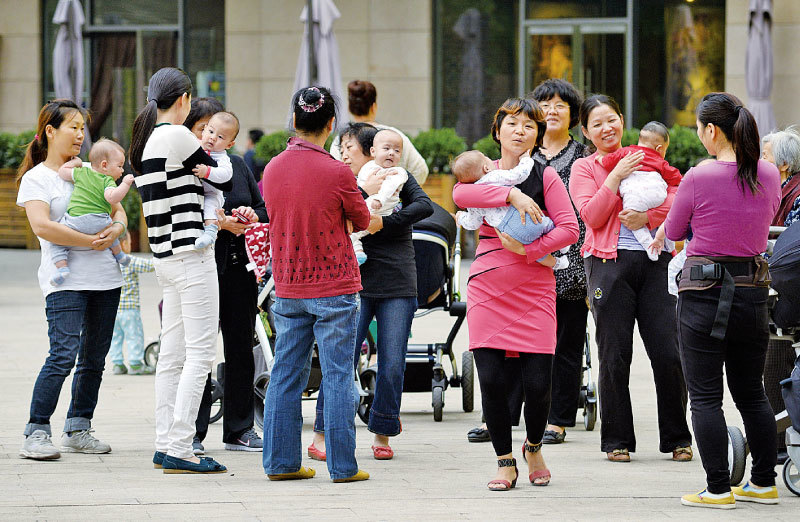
(151, 353)
(216, 401)
(259, 394)
(368, 385)
(467, 381)
(438, 403)
(737, 455)
(791, 476)
(589, 416)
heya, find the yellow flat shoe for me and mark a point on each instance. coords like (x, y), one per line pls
(698, 500)
(300, 474)
(361, 475)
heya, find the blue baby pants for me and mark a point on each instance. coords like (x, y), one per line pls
(128, 329)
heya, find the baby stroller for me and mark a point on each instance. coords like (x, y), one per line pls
(587, 398)
(437, 245)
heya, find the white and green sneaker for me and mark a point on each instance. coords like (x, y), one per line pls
(750, 493)
(82, 441)
(38, 446)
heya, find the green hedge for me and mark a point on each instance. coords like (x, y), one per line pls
(439, 147)
(270, 145)
(12, 148)
(488, 146)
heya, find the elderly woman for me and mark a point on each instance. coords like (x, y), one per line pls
(561, 103)
(626, 287)
(363, 106)
(782, 148)
(511, 298)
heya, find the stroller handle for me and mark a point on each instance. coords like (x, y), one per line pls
(457, 266)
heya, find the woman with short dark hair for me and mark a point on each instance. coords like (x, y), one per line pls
(511, 297)
(729, 204)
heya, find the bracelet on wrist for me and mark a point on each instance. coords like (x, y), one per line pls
(124, 226)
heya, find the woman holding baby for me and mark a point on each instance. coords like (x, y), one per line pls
(624, 287)
(511, 297)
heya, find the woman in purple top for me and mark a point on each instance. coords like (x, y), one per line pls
(729, 204)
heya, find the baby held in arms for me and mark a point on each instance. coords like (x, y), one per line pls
(387, 148)
(475, 167)
(646, 188)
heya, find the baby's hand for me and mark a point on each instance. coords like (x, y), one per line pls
(128, 179)
(656, 246)
(201, 171)
(375, 204)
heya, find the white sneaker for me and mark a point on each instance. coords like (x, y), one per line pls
(82, 441)
(38, 446)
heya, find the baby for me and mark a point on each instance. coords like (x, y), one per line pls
(646, 188)
(475, 167)
(89, 208)
(387, 148)
(219, 135)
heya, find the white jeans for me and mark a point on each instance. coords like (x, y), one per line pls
(188, 345)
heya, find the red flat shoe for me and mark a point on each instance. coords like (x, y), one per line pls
(382, 452)
(316, 454)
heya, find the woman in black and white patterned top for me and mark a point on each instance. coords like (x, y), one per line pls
(560, 102)
(163, 153)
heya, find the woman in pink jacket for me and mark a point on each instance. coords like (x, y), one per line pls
(511, 298)
(624, 287)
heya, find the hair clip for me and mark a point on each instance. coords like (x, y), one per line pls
(311, 107)
(36, 137)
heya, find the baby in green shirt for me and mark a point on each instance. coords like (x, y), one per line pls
(89, 208)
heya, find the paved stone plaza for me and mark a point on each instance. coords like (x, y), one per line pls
(436, 473)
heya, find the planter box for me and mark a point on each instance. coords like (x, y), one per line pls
(439, 187)
(15, 231)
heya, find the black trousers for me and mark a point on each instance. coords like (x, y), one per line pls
(568, 361)
(633, 289)
(238, 294)
(742, 353)
(533, 372)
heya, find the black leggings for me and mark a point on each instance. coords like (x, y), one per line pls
(493, 375)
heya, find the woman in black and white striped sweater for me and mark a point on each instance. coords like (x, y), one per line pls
(163, 153)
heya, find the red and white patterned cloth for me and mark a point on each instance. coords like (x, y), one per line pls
(257, 242)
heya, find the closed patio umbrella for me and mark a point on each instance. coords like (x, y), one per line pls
(758, 65)
(68, 51)
(325, 55)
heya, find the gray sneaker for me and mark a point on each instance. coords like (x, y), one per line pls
(247, 441)
(38, 446)
(82, 441)
(197, 447)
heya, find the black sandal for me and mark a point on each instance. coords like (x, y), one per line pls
(479, 435)
(505, 463)
(554, 437)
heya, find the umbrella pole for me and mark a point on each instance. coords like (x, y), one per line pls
(312, 60)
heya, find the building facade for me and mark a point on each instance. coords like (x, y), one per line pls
(434, 62)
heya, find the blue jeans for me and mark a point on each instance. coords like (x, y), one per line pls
(80, 324)
(394, 316)
(332, 322)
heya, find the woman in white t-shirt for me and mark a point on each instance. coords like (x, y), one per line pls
(80, 312)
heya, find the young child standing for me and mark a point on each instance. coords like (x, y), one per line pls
(89, 209)
(646, 188)
(387, 148)
(219, 135)
(128, 325)
(475, 167)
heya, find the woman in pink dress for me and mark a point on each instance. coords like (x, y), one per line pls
(511, 298)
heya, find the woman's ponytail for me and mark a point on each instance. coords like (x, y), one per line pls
(745, 143)
(727, 113)
(143, 127)
(35, 153)
(165, 87)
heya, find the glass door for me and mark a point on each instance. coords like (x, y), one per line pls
(591, 56)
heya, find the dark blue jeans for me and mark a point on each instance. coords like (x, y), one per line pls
(80, 325)
(394, 317)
